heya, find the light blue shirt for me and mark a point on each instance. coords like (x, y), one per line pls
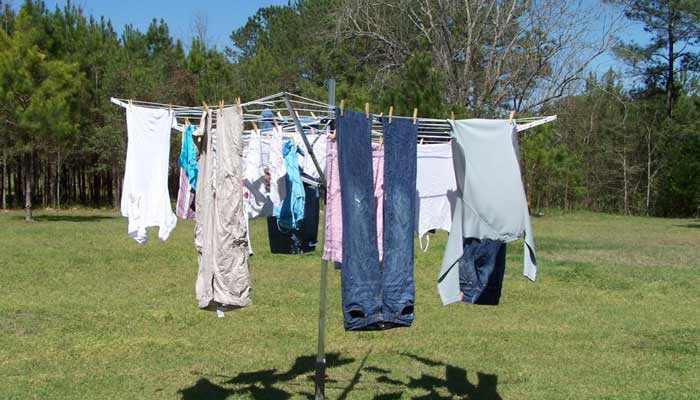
(492, 202)
(188, 156)
(290, 213)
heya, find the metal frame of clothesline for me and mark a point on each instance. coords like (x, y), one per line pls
(430, 130)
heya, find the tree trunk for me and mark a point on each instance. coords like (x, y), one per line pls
(671, 61)
(648, 199)
(624, 177)
(17, 198)
(4, 178)
(28, 187)
(58, 180)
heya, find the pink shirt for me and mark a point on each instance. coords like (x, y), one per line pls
(333, 241)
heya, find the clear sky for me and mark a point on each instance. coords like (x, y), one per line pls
(223, 16)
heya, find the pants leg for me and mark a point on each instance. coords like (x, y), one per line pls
(361, 273)
(400, 163)
(481, 270)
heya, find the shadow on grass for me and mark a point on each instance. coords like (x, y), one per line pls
(70, 218)
(693, 226)
(264, 384)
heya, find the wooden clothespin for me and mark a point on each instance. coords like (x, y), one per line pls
(255, 126)
(367, 110)
(313, 115)
(342, 106)
(131, 102)
(415, 115)
(391, 113)
(206, 106)
(187, 121)
(453, 115)
(221, 104)
(238, 102)
(512, 115)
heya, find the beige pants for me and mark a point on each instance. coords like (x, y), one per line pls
(221, 229)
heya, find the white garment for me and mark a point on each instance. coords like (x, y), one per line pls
(436, 188)
(145, 198)
(306, 163)
(276, 167)
(255, 193)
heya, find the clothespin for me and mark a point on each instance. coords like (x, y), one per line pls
(342, 106)
(206, 106)
(453, 115)
(391, 113)
(131, 102)
(238, 102)
(421, 140)
(367, 110)
(313, 115)
(333, 135)
(187, 121)
(512, 115)
(415, 115)
(255, 126)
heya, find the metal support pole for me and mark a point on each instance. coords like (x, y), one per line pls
(309, 147)
(320, 375)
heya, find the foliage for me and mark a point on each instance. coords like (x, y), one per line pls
(614, 148)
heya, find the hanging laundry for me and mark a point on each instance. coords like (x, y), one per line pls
(276, 168)
(333, 238)
(319, 146)
(258, 202)
(304, 239)
(188, 156)
(145, 199)
(291, 212)
(436, 189)
(491, 205)
(223, 277)
(185, 205)
(377, 295)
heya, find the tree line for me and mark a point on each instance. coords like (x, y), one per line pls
(627, 141)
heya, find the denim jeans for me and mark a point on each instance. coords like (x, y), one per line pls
(481, 270)
(377, 295)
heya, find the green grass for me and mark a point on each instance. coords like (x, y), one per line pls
(85, 313)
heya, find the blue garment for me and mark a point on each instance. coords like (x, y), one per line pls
(302, 240)
(290, 213)
(188, 156)
(481, 270)
(376, 295)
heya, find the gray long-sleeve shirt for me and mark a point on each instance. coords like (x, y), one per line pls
(492, 202)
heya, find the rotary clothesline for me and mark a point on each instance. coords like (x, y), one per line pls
(272, 109)
(319, 114)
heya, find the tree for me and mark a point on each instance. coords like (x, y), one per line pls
(675, 29)
(37, 96)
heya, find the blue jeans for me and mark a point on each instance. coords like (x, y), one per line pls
(377, 295)
(481, 270)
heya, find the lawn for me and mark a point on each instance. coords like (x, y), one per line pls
(86, 313)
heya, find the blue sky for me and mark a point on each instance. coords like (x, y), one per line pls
(223, 16)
